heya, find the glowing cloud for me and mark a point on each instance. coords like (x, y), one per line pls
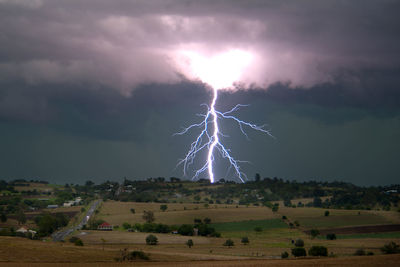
(219, 71)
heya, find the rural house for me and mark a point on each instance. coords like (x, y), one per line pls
(105, 227)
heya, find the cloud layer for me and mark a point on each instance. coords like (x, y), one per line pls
(122, 44)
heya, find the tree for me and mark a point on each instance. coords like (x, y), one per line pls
(185, 229)
(197, 221)
(299, 243)
(189, 243)
(314, 233)
(126, 225)
(148, 216)
(257, 177)
(163, 207)
(275, 208)
(21, 217)
(245, 240)
(326, 213)
(299, 252)
(331, 236)
(207, 220)
(285, 255)
(391, 248)
(151, 240)
(3, 217)
(133, 210)
(78, 242)
(318, 251)
(317, 202)
(229, 243)
(258, 229)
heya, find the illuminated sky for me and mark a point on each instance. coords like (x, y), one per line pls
(95, 89)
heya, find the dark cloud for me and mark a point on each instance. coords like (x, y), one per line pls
(122, 44)
(96, 85)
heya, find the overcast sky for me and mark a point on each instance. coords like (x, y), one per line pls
(96, 89)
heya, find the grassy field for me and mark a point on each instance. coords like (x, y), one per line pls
(117, 213)
(249, 225)
(314, 217)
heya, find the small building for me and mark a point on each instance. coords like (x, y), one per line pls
(52, 206)
(105, 227)
(23, 230)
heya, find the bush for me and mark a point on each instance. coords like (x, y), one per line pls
(390, 248)
(359, 252)
(190, 243)
(331, 236)
(125, 255)
(78, 242)
(326, 213)
(229, 243)
(299, 243)
(73, 239)
(126, 225)
(314, 233)
(258, 229)
(284, 217)
(318, 251)
(299, 252)
(151, 240)
(133, 210)
(285, 255)
(185, 229)
(245, 240)
(136, 254)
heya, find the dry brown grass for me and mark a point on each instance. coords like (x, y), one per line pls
(119, 212)
(118, 237)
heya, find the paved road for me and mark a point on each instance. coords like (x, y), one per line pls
(60, 235)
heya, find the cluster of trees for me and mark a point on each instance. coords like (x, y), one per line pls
(50, 222)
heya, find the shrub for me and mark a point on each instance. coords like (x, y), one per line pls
(189, 243)
(126, 225)
(258, 229)
(185, 229)
(78, 242)
(163, 207)
(133, 210)
(136, 254)
(299, 252)
(229, 243)
(314, 233)
(370, 253)
(326, 213)
(73, 239)
(299, 243)
(390, 248)
(151, 240)
(284, 217)
(318, 251)
(359, 252)
(285, 255)
(125, 255)
(331, 236)
(245, 240)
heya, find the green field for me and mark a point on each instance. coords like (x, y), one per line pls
(367, 235)
(249, 225)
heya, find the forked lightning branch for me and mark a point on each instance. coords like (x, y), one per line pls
(209, 140)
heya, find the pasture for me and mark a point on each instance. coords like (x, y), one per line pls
(119, 212)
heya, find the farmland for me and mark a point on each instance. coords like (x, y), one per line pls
(258, 231)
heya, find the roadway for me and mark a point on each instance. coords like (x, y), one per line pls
(60, 235)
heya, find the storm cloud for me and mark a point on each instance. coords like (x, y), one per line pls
(122, 44)
(97, 88)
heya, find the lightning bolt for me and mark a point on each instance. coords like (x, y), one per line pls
(209, 140)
